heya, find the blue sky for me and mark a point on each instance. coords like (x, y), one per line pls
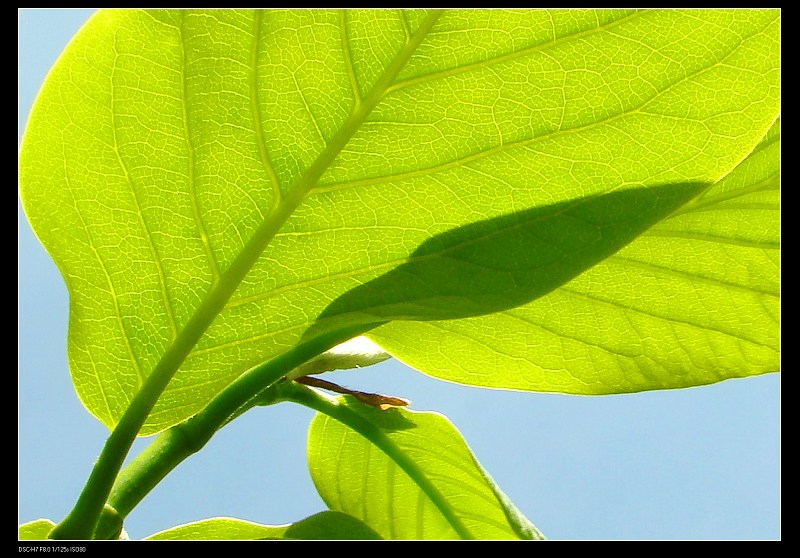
(699, 463)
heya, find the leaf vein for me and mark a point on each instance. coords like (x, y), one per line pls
(348, 60)
(191, 179)
(455, 70)
(156, 260)
(686, 275)
(763, 245)
(609, 120)
(666, 319)
(117, 313)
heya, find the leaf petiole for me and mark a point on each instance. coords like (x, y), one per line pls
(179, 442)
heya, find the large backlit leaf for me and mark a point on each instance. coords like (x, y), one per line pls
(163, 142)
(408, 475)
(695, 300)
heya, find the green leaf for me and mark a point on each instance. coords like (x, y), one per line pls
(209, 182)
(220, 528)
(695, 300)
(501, 263)
(408, 475)
(37, 530)
(331, 525)
(328, 525)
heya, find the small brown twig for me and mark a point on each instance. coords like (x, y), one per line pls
(376, 400)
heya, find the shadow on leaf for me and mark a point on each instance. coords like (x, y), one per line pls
(501, 263)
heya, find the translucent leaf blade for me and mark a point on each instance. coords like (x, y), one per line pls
(695, 300)
(162, 139)
(408, 475)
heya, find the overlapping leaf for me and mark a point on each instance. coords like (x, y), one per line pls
(693, 301)
(408, 475)
(328, 525)
(164, 140)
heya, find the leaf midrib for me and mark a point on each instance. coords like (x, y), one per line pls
(216, 299)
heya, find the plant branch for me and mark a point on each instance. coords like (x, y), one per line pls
(81, 521)
(171, 447)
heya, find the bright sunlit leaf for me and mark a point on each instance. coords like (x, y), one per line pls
(316, 151)
(408, 475)
(694, 300)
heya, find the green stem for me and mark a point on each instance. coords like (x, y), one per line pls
(170, 448)
(80, 522)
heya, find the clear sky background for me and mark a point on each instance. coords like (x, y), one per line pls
(699, 463)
